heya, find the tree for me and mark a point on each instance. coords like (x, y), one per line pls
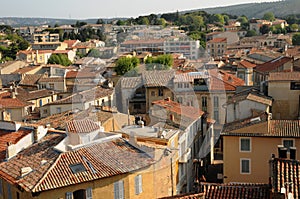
(100, 21)
(296, 39)
(161, 62)
(61, 59)
(264, 29)
(269, 16)
(250, 33)
(294, 27)
(120, 23)
(125, 64)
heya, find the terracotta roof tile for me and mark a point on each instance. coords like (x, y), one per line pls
(271, 128)
(30, 79)
(82, 126)
(10, 137)
(6, 101)
(273, 64)
(284, 76)
(285, 173)
(174, 107)
(51, 79)
(158, 78)
(218, 40)
(246, 64)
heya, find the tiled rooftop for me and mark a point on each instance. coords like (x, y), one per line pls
(246, 64)
(284, 76)
(82, 126)
(98, 160)
(174, 107)
(51, 79)
(6, 101)
(271, 128)
(273, 64)
(236, 191)
(30, 79)
(285, 173)
(251, 95)
(10, 137)
(158, 78)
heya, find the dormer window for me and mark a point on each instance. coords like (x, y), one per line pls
(199, 82)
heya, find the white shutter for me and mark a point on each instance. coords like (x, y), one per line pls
(138, 184)
(88, 192)
(119, 190)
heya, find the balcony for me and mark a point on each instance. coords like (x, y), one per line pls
(184, 158)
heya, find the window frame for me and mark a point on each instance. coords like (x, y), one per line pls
(250, 145)
(288, 139)
(241, 166)
(119, 193)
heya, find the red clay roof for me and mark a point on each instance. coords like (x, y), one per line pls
(10, 137)
(284, 76)
(246, 64)
(221, 80)
(82, 126)
(99, 160)
(174, 107)
(273, 64)
(217, 40)
(6, 101)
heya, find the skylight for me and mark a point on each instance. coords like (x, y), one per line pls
(76, 168)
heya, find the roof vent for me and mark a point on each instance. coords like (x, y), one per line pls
(43, 162)
(256, 119)
(25, 171)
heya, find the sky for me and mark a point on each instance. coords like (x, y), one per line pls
(86, 9)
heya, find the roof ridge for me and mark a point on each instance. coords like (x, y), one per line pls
(47, 172)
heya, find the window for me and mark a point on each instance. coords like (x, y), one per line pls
(216, 115)
(58, 110)
(45, 111)
(152, 93)
(216, 101)
(9, 191)
(288, 143)
(138, 184)
(51, 86)
(89, 193)
(1, 191)
(137, 106)
(179, 85)
(245, 166)
(186, 85)
(295, 86)
(119, 190)
(160, 92)
(18, 195)
(76, 168)
(245, 144)
(179, 99)
(204, 103)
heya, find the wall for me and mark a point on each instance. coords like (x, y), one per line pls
(286, 101)
(243, 110)
(149, 99)
(12, 67)
(261, 150)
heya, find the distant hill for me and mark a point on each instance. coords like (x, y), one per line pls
(251, 10)
(26, 21)
(257, 10)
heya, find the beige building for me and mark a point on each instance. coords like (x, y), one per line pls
(284, 88)
(245, 72)
(216, 47)
(249, 145)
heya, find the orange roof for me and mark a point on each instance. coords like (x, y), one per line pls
(82, 126)
(221, 80)
(188, 111)
(217, 40)
(6, 101)
(70, 43)
(144, 41)
(10, 137)
(246, 64)
(273, 64)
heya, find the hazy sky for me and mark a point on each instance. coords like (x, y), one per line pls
(83, 9)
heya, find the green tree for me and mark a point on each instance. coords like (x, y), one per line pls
(296, 39)
(120, 23)
(269, 16)
(125, 64)
(61, 59)
(100, 21)
(161, 62)
(294, 27)
(264, 29)
(251, 33)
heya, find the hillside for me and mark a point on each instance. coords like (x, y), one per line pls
(257, 10)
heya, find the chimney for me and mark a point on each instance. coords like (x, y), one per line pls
(293, 153)
(282, 151)
(133, 139)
